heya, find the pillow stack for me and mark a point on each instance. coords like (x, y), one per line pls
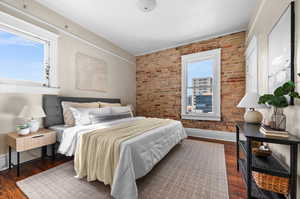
(95, 112)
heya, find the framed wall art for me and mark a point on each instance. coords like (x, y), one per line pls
(91, 74)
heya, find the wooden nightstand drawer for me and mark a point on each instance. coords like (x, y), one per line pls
(31, 141)
(35, 141)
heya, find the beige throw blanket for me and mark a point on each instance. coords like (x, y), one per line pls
(98, 152)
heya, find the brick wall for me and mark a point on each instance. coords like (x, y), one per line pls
(159, 81)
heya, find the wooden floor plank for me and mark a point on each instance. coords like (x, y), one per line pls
(8, 179)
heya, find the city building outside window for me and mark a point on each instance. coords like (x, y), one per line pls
(201, 85)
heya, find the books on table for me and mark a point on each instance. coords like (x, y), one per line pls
(271, 132)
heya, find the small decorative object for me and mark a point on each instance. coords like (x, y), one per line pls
(47, 75)
(23, 129)
(30, 113)
(249, 101)
(278, 101)
(262, 151)
(278, 119)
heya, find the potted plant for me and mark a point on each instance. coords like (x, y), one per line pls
(278, 100)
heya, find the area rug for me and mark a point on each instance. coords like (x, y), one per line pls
(192, 170)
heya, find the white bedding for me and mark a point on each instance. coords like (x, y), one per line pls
(137, 156)
(59, 129)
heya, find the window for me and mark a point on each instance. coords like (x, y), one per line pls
(27, 55)
(201, 85)
(22, 58)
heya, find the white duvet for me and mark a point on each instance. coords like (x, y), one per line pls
(137, 156)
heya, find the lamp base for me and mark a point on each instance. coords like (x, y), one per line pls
(34, 126)
(252, 116)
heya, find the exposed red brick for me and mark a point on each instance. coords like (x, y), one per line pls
(159, 81)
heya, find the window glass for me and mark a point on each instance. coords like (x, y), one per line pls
(200, 87)
(21, 57)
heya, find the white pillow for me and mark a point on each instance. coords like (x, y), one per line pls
(67, 113)
(122, 110)
(82, 115)
(103, 111)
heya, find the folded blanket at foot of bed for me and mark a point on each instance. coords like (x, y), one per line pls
(97, 154)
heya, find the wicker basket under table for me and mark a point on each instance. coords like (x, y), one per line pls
(271, 183)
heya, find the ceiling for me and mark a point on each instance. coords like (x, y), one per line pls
(171, 23)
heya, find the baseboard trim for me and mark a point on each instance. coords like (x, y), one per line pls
(211, 134)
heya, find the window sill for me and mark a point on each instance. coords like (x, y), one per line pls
(10, 88)
(201, 117)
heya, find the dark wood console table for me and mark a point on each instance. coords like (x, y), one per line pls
(269, 165)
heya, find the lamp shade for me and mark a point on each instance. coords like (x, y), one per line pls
(250, 100)
(32, 112)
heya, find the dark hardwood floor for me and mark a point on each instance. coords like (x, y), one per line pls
(8, 179)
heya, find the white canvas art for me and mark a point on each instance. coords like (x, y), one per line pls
(91, 73)
(279, 67)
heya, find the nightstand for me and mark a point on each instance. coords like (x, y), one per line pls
(41, 138)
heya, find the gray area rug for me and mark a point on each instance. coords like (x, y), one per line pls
(192, 170)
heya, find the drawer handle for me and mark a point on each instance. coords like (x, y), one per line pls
(37, 136)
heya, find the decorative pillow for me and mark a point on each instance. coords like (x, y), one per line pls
(98, 118)
(102, 111)
(105, 104)
(81, 115)
(67, 113)
(122, 110)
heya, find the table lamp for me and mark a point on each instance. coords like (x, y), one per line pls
(250, 102)
(32, 112)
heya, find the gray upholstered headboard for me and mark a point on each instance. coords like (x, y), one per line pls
(53, 109)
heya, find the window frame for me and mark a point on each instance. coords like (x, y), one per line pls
(214, 55)
(251, 56)
(32, 32)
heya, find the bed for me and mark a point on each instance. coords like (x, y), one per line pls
(138, 155)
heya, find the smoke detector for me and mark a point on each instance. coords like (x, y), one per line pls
(146, 5)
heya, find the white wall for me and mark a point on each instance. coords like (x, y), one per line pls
(267, 13)
(121, 72)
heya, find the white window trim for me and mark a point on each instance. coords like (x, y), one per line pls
(21, 86)
(251, 70)
(185, 59)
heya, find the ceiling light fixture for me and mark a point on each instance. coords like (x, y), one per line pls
(146, 5)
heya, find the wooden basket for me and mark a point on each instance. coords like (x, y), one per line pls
(271, 183)
(261, 153)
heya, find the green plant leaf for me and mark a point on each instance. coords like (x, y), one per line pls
(294, 94)
(290, 86)
(285, 89)
(278, 101)
(265, 98)
(280, 91)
